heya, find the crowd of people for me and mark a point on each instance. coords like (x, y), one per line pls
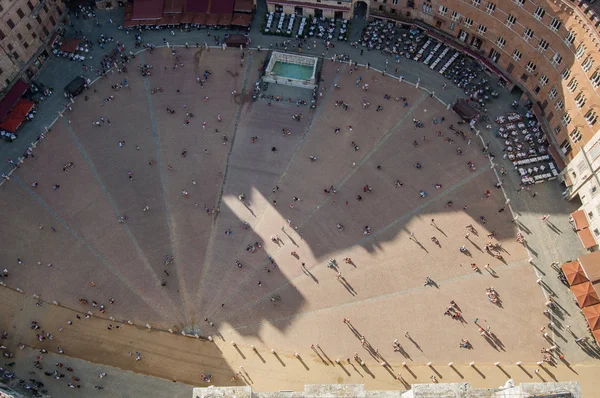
(118, 59)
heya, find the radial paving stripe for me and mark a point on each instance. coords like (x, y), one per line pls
(257, 222)
(338, 186)
(161, 167)
(117, 213)
(151, 303)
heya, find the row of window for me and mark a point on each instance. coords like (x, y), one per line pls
(20, 12)
(528, 34)
(29, 27)
(21, 15)
(542, 46)
(489, 8)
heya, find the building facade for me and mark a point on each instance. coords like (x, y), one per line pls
(582, 178)
(26, 30)
(569, 389)
(318, 8)
(549, 50)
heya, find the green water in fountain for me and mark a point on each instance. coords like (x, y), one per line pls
(292, 71)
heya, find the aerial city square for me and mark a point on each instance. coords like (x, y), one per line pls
(281, 198)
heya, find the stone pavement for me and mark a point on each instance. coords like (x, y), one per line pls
(117, 382)
(381, 290)
(58, 72)
(177, 362)
(388, 267)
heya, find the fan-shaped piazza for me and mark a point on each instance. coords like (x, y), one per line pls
(179, 186)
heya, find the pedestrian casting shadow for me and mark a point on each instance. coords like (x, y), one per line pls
(478, 371)
(549, 373)
(402, 351)
(348, 286)
(354, 330)
(420, 245)
(498, 341)
(344, 369)
(568, 365)
(390, 371)
(548, 289)
(474, 244)
(559, 315)
(562, 308)
(325, 355)
(457, 372)
(432, 283)
(523, 228)
(356, 370)
(495, 344)
(590, 350)
(248, 208)
(439, 229)
(367, 371)
(538, 268)
(531, 249)
(320, 357)
(415, 343)
(493, 273)
(240, 352)
(247, 376)
(307, 272)
(290, 238)
(279, 359)
(554, 228)
(219, 335)
(490, 342)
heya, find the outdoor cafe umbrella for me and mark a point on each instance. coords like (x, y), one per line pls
(574, 273)
(585, 294)
(592, 314)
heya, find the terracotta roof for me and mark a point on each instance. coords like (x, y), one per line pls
(585, 294)
(199, 19)
(187, 18)
(196, 5)
(243, 5)
(240, 19)
(311, 5)
(69, 45)
(574, 273)
(587, 239)
(581, 220)
(212, 19)
(147, 9)
(221, 6)
(592, 314)
(12, 97)
(225, 19)
(591, 266)
(173, 6)
(465, 110)
(596, 334)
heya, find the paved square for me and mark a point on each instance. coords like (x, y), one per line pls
(189, 177)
